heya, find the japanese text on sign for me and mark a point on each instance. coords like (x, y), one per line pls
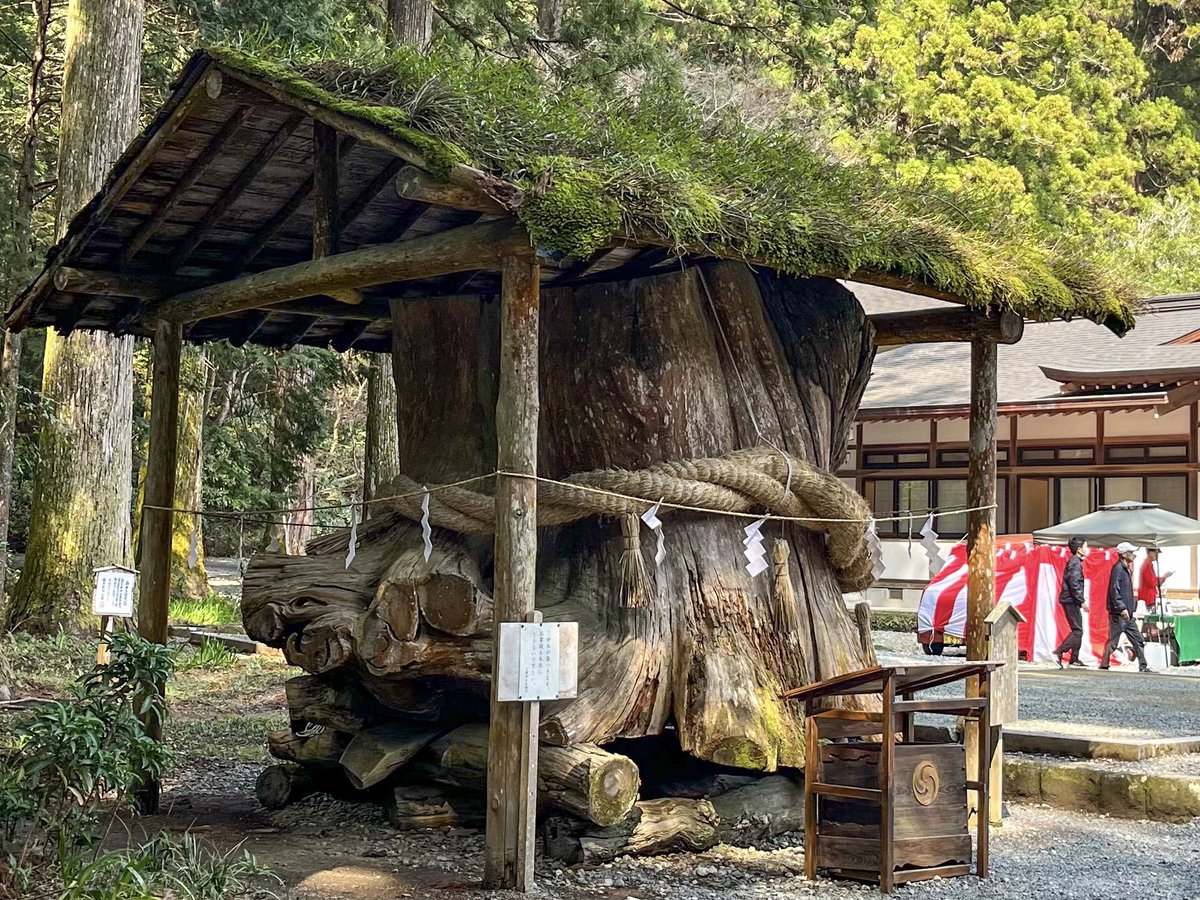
(538, 661)
(113, 594)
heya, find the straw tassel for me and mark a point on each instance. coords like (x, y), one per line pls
(635, 581)
(783, 597)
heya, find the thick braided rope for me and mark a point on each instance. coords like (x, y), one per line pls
(745, 481)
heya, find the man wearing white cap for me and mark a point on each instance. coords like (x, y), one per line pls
(1121, 605)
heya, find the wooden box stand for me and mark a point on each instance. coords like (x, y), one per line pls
(879, 805)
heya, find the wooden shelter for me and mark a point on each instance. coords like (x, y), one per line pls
(715, 360)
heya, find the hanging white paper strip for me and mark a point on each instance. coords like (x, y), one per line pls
(875, 550)
(929, 540)
(193, 556)
(352, 550)
(654, 523)
(756, 553)
(426, 531)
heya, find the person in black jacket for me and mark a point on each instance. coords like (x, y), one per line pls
(1072, 598)
(1121, 606)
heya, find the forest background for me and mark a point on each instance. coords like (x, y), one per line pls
(1074, 120)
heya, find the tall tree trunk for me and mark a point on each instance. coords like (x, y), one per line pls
(380, 459)
(20, 267)
(189, 579)
(410, 22)
(550, 17)
(79, 516)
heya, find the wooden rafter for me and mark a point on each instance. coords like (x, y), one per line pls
(206, 157)
(470, 247)
(256, 321)
(582, 266)
(406, 221)
(349, 336)
(377, 185)
(417, 184)
(638, 265)
(928, 326)
(268, 231)
(244, 179)
(1178, 398)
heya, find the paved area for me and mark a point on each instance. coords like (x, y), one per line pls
(1088, 702)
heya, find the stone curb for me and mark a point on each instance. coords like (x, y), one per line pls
(1131, 750)
(1159, 798)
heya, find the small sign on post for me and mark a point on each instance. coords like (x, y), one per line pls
(112, 597)
(538, 661)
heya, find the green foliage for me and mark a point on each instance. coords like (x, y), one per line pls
(215, 609)
(62, 760)
(694, 180)
(893, 621)
(209, 655)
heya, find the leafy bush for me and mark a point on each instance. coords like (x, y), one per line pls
(894, 621)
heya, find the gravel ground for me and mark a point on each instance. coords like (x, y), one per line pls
(1038, 853)
(1086, 702)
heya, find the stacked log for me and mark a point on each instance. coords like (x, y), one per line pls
(397, 645)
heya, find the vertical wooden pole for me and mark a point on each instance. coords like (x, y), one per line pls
(155, 590)
(812, 763)
(984, 727)
(508, 861)
(325, 225)
(981, 530)
(887, 810)
(996, 776)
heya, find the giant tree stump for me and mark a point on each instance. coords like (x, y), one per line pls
(693, 364)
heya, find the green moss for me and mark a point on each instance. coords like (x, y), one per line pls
(598, 162)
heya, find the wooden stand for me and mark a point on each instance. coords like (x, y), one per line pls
(892, 810)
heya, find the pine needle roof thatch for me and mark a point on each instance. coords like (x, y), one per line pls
(594, 164)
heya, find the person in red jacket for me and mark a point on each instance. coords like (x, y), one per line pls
(1149, 581)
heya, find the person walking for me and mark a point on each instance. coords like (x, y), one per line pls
(1121, 606)
(1072, 597)
(1149, 581)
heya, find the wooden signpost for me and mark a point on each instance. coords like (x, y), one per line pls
(1002, 624)
(536, 661)
(112, 597)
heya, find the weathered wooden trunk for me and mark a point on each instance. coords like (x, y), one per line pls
(691, 365)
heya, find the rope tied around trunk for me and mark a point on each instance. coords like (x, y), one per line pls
(741, 482)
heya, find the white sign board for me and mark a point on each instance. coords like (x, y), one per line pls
(113, 594)
(538, 661)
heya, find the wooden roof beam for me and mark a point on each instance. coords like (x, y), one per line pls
(417, 184)
(1178, 398)
(264, 235)
(244, 179)
(929, 326)
(207, 156)
(478, 246)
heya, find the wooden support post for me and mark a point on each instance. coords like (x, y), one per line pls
(996, 776)
(508, 861)
(155, 590)
(887, 767)
(984, 726)
(981, 531)
(106, 623)
(326, 229)
(812, 774)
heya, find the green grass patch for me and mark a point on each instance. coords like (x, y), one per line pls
(215, 609)
(209, 655)
(232, 735)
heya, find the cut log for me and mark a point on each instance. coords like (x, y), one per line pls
(321, 750)
(282, 785)
(929, 326)
(410, 807)
(770, 806)
(374, 754)
(582, 779)
(652, 827)
(336, 705)
(866, 638)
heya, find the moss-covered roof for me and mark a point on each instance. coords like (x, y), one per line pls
(595, 164)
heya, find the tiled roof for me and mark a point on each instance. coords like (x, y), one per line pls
(939, 374)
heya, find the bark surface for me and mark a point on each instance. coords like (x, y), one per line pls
(81, 491)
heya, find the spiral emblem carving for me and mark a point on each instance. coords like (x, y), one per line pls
(925, 782)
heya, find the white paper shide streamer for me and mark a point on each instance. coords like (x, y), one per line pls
(352, 550)
(426, 531)
(929, 541)
(875, 550)
(193, 556)
(756, 553)
(654, 523)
